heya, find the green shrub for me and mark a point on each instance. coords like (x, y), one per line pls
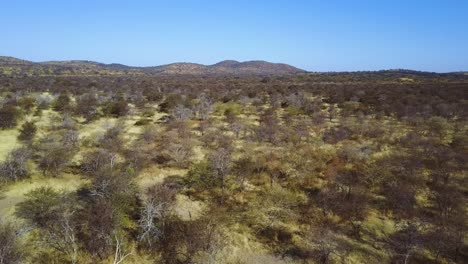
(27, 131)
(9, 116)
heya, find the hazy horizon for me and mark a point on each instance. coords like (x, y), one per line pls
(318, 37)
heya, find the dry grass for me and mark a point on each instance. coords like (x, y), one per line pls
(15, 192)
(188, 209)
(8, 141)
(155, 174)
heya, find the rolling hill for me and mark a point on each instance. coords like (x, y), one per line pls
(10, 65)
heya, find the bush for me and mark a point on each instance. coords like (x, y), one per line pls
(200, 175)
(62, 103)
(86, 106)
(27, 131)
(113, 138)
(171, 101)
(41, 206)
(54, 154)
(27, 103)
(116, 109)
(15, 166)
(10, 248)
(9, 115)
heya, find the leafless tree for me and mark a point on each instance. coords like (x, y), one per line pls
(180, 152)
(204, 107)
(150, 133)
(151, 211)
(97, 160)
(237, 127)
(181, 113)
(15, 165)
(120, 252)
(67, 122)
(71, 138)
(204, 125)
(62, 235)
(86, 105)
(220, 161)
(160, 198)
(113, 138)
(215, 243)
(243, 168)
(332, 112)
(44, 100)
(54, 215)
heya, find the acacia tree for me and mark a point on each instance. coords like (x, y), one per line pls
(54, 214)
(110, 204)
(54, 154)
(324, 245)
(117, 107)
(197, 241)
(405, 241)
(99, 224)
(26, 103)
(87, 106)
(447, 200)
(108, 209)
(269, 127)
(27, 131)
(97, 160)
(445, 242)
(9, 115)
(62, 103)
(243, 168)
(113, 140)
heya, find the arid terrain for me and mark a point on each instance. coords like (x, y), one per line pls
(236, 162)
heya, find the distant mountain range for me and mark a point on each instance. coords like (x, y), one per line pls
(11, 66)
(228, 67)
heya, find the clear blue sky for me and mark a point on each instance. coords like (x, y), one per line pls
(315, 35)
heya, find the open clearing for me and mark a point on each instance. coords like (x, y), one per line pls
(15, 192)
(8, 142)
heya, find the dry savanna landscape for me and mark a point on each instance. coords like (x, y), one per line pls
(235, 162)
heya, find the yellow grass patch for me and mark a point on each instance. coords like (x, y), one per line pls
(8, 141)
(15, 193)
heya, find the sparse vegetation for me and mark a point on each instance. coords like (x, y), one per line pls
(134, 166)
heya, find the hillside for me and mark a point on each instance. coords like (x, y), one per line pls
(13, 66)
(10, 66)
(5, 60)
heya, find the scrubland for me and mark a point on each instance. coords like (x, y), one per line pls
(306, 168)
